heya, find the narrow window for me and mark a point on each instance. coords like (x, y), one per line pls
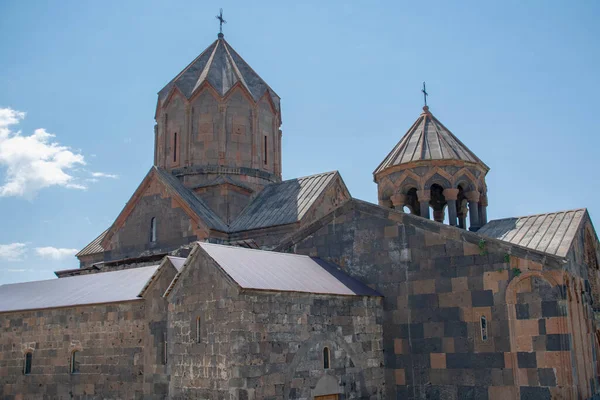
(484, 331)
(175, 147)
(27, 367)
(198, 338)
(153, 230)
(326, 358)
(165, 348)
(265, 150)
(74, 362)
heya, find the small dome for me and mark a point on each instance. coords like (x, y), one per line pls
(428, 139)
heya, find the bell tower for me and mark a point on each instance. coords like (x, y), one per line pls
(218, 129)
(430, 172)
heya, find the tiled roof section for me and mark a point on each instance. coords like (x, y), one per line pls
(428, 139)
(211, 219)
(551, 233)
(103, 287)
(94, 247)
(267, 270)
(282, 203)
(222, 68)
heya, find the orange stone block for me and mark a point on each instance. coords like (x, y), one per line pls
(390, 231)
(399, 346)
(460, 284)
(527, 327)
(491, 279)
(448, 345)
(460, 299)
(535, 266)
(556, 325)
(502, 392)
(432, 239)
(524, 286)
(524, 343)
(522, 376)
(508, 360)
(471, 249)
(424, 287)
(540, 358)
(438, 360)
(400, 377)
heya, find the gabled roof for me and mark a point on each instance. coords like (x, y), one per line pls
(221, 67)
(94, 247)
(428, 139)
(283, 272)
(283, 203)
(102, 287)
(551, 233)
(208, 216)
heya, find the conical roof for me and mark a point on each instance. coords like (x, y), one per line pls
(428, 139)
(222, 67)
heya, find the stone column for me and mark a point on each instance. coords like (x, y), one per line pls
(424, 196)
(483, 203)
(398, 201)
(473, 198)
(451, 195)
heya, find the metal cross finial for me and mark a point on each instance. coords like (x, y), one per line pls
(221, 21)
(425, 94)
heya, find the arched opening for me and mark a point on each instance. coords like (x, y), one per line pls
(413, 202)
(75, 362)
(326, 358)
(27, 366)
(437, 202)
(175, 147)
(153, 230)
(198, 326)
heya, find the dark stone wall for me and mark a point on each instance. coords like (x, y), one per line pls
(269, 345)
(438, 282)
(110, 341)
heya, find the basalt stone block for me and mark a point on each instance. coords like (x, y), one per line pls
(443, 285)
(542, 326)
(553, 309)
(522, 311)
(526, 360)
(416, 331)
(429, 345)
(558, 342)
(547, 377)
(482, 298)
(423, 300)
(455, 329)
(474, 360)
(472, 393)
(535, 393)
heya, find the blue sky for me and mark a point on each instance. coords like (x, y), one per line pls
(517, 82)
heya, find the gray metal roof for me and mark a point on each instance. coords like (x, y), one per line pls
(267, 270)
(282, 203)
(551, 233)
(222, 68)
(102, 287)
(428, 139)
(177, 262)
(211, 219)
(94, 247)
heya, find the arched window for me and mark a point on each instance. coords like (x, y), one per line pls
(27, 366)
(265, 150)
(175, 147)
(484, 329)
(75, 362)
(153, 230)
(326, 359)
(198, 326)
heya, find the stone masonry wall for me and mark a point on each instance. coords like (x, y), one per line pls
(438, 282)
(256, 345)
(109, 339)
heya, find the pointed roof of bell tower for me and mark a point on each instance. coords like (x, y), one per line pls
(222, 67)
(428, 139)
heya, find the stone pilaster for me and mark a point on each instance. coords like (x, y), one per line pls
(424, 197)
(451, 196)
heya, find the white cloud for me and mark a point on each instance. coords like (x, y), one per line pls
(54, 252)
(12, 251)
(104, 175)
(34, 162)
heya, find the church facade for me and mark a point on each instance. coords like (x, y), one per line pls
(220, 280)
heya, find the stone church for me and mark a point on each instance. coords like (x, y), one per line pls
(220, 280)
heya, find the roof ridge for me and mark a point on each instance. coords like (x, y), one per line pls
(249, 249)
(310, 176)
(538, 215)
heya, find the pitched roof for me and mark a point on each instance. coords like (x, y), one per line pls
(208, 216)
(103, 287)
(428, 139)
(267, 270)
(222, 68)
(177, 262)
(282, 203)
(94, 247)
(551, 233)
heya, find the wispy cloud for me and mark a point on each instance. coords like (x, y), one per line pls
(104, 175)
(55, 253)
(38, 161)
(12, 251)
